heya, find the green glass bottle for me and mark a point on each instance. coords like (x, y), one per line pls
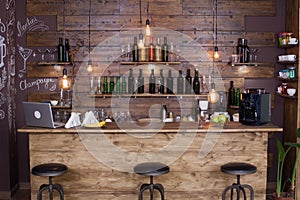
(124, 85)
(111, 84)
(105, 85)
(118, 86)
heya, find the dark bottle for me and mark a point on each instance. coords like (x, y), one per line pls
(151, 51)
(140, 88)
(111, 85)
(161, 83)
(237, 97)
(196, 83)
(165, 50)
(105, 85)
(124, 85)
(231, 96)
(67, 50)
(170, 83)
(243, 50)
(135, 50)
(152, 82)
(60, 51)
(118, 88)
(180, 83)
(130, 82)
(188, 82)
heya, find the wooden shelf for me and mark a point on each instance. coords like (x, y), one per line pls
(158, 63)
(287, 96)
(54, 63)
(251, 64)
(288, 46)
(287, 79)
(147, 95)
(287, 62)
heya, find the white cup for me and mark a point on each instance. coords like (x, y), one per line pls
(291, 57)
(279, 89)
(293, 41)
(291, 91)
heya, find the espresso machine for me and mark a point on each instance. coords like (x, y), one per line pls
(255, 107)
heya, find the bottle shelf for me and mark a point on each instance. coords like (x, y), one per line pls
(148, 95)
(287, 62)
(287, 79)
(54, 63)
(288, 46)
(141, 63)
(61, 107)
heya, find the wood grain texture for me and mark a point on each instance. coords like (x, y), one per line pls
(88, 176)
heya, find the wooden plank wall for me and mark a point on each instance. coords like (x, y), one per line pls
(193, 18)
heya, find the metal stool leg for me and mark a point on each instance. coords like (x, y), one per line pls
(160, 188)
(142, 189)
(39, 195)
(59, 188)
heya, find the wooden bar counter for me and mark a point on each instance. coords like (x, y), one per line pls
(100, 161)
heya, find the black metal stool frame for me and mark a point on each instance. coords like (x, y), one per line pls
(151, 188)
(50, 187)
(238, 187)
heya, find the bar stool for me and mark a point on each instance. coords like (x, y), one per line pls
(238, 169)
(151, 169)
(50, 170)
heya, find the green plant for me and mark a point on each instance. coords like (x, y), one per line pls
(281, 157)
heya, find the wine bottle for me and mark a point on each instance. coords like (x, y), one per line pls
(130, 82)
(196, 83)
(111, 85)
(140, 89)
(105, 85)
(158, 51)
(188, 82)
(67, 51)
(135, 50)
(60, 51)
(170, 82)
(180, 83)
(151, 51)
(124, 85)
(161, 83)
(152, 82)
(231, 98)
(118, 85)
(165, 52)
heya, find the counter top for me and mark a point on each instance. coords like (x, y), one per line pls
(175, 127)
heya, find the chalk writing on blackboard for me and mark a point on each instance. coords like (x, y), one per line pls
(2, 27)
(25, 53)
(2, 51)
(31, 24)
(3, 78)
(2, 98)
(48, 84)
(2, 114)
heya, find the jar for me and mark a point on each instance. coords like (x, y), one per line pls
(284, 88)
(292, 71)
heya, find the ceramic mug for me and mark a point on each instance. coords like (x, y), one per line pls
(293, 41)
(235, 58)
(291, 57)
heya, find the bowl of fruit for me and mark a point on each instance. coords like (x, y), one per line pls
(219, 118)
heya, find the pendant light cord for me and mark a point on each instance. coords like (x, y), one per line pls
(90, 8)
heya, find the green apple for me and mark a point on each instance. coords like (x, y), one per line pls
(222, 119)
(215, 119)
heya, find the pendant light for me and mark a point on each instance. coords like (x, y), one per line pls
(216, 50)
(148, 31)
(141, 38)
(89, 67)
(64, 81)
(213, 96)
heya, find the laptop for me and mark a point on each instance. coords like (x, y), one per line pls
(40, 115)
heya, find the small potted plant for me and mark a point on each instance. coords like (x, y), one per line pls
(280, 194)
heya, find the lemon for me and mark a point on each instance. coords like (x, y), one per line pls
(102, 123)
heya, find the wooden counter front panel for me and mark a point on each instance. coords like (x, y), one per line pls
(191, 177)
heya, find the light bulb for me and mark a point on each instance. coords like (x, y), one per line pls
(89, 68)
(216, 53)
(65, 82)
(213, 96)
(148, 31)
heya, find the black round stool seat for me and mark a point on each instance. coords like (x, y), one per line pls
(49, 169)
(151, 169)
(238, 168)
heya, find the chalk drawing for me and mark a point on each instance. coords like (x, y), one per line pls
(2, 114)
(31, 24)
(2, 27)
(2, 51)
(2, 98)
(3, 79)
(25, 53)
(48, 83)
